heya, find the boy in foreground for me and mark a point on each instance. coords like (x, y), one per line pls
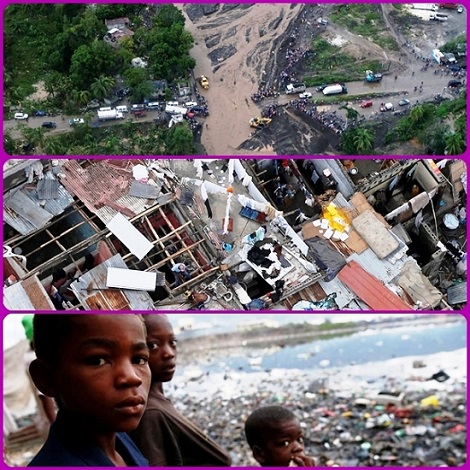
(276, 438)
(164, 435)
(96, 368)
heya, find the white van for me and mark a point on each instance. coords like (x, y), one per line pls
(153, 105)
(122, 109)
(190, 104)
(172, 103)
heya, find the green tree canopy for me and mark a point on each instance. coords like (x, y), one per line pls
(179, 140)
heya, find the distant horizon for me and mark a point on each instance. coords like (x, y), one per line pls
(13, 331)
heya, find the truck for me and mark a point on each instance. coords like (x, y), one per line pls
(175, 109)
(425, 6)
(108, 114)
(372, 77)
(449, 6)
(335, 89)
(438, 17)
(295, 88)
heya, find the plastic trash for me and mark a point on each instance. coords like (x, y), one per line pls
(432, 400)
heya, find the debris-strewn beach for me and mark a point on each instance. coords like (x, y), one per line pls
(340, 429)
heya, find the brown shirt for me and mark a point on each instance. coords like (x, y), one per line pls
(167, 438)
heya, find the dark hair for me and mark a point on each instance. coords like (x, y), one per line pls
(263, 419)
(51, 330)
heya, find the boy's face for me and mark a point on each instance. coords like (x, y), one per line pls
(282, 443)
(103, 375)
(161, 342)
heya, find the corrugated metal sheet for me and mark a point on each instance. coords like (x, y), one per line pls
(17, 222)
(52, 206)
(88, 291)
(135, 242)
(55, 206)
(48, 188)
(15, 298)
(370, 289)
(457, 294)
(95, 183)
(383, 270)
(143, 190)
(343, 295)
(18, 201)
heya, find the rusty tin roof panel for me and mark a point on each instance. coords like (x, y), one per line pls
(370, 289)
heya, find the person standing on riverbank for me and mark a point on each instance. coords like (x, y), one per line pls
(276, 438)
(164, 435)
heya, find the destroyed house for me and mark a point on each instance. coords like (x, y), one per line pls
(68, 241)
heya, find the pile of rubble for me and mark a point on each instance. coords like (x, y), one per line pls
(379, 421)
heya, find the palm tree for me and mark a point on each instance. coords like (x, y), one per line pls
(416, 114)
(84, 96)
(102, 86)
(363, 140)
(455, 144)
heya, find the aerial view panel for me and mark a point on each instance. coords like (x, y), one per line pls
(235, 79)
(235, 234)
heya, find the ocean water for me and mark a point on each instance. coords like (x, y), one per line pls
(370, 345)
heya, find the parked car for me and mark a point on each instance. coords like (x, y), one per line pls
(305, 94)
(139, 114)
(49, 124)
(387, 107)
(74, 121)
(460, 9)
(404, 102)
(367, 104)
(21, 116)
(39, 112)
(454, 83)
(137, 107)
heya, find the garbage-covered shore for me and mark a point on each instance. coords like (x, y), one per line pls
(376, 414)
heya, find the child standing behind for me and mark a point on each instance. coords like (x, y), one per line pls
(96, 368)
(164, 435)
(276, 438)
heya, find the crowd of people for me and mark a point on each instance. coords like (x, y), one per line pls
(328, 119)
(264, 92)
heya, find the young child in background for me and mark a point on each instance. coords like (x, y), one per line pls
(164, 435)
(276, 438)
(96, 368)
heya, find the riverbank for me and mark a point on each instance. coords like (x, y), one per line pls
(205, 343)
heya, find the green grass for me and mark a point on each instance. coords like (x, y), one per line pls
(366, 20)
(330, 65)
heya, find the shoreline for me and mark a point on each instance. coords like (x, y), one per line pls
(297, 333)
